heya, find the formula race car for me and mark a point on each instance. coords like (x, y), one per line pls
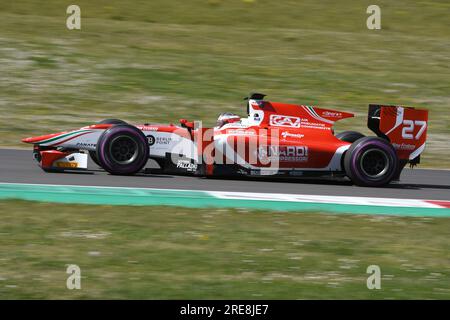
(275, 139)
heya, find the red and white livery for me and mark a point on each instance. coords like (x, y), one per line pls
(274, 139)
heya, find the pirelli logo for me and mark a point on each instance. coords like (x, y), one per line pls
(284, 121)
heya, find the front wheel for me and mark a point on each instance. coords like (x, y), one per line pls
(93, 154)
(122, 150)
(371, 162)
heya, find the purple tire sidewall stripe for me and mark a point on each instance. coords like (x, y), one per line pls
(361, 148)
(103, 146)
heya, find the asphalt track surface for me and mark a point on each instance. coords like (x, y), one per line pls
(17, 166)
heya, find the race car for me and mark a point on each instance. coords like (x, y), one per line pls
(274, 139)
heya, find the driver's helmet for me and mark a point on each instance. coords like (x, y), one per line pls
(227, 117)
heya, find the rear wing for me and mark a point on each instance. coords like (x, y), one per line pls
(404, 127)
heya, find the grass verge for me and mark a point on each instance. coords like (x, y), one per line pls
(176, 253)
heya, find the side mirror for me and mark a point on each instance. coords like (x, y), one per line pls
(186, 124)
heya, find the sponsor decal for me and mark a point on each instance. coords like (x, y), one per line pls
(234, 125)
(256, 117)
(293, 135)
(163, 140)
(186, 164)
(320, 127)
(148, 128)
(158, 140)
(331, 114)
(265, 172)
(242, 132)
(284, 121)
(404, 146)
(151, 140)
(87, 145)
(283, 153)
(66, 164)
(313, 125)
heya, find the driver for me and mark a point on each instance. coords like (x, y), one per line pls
(227, 117)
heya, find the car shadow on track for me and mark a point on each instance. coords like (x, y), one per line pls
(89, 172)
(415, 186)
(304, 180)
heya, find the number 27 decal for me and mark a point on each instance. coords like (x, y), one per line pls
(409, 126)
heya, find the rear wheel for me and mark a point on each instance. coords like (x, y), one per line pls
(371, 162)
(93, 154)
(349, 136)
(122, 150)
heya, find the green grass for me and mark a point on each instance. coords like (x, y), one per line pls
(164, 60)
(176, 253)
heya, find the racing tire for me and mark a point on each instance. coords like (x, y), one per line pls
(93, 154)
(349, 136)
(122, 150)
(112, 121)
(371, 162)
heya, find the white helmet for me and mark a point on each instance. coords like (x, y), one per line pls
(227, 117)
